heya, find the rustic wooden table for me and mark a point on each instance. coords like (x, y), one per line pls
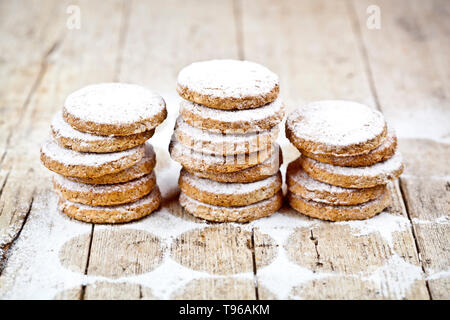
(321, 50)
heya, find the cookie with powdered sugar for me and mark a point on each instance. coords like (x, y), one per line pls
(232, 214)
(112, 214)
(140, 169)
(71, 138)
(197, 161)
(68, 162)
(381, 153)
(223, 144)
(260, 171)
(233, 121)
(228, 84)
(114, 109)
(303, 185)
(331, 212)
(336, 127)
(228, 194)
(354, 177)
(104, 195)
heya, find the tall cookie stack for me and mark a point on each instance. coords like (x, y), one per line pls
(348, 155)
(225, 140)
(98, 150)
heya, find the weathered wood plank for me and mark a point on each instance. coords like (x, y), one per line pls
(153, 54)
(311, 46)
(68, 67)
(410, 73)
(218, 288)
(411, 78)
(314, 49)
(27, 40)
(164, 37)
(109, 291)
(221, 249)
(428, 202)
(426, 187)
(33, 267)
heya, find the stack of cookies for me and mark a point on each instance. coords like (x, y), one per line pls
(103, 165)
(348, 155)
(225, 140)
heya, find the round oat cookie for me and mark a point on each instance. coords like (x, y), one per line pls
(231, 214)
(223, 144)
(196, 161)
(71, 138)
(228, 84)
(336, 127)
(72, 163)
(354, 177)
(228, 194)
(301, 184)
(261, 171)
(114, 109)
(104, 195)
(113, 214)
(383, 152)
(143, 167)
(337, 212)
(233, 121)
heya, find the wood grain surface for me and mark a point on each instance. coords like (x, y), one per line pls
(321, 50)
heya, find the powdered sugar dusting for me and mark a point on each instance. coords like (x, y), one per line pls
(336, 122)
(38, 272)
(435, 275)
(354, 208)
(124, 207)
(395, 277)
(178, 149)
(386, 168)
(61, 128)
(114, 103)
(215, 187)
(228, 78)
(70, 185)
(70, 157)
(192, 204)
(184, 128)
(296, 172)
(280, 225)
(230, 117)
(439, 220)
(34, 269)
(282, 275)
